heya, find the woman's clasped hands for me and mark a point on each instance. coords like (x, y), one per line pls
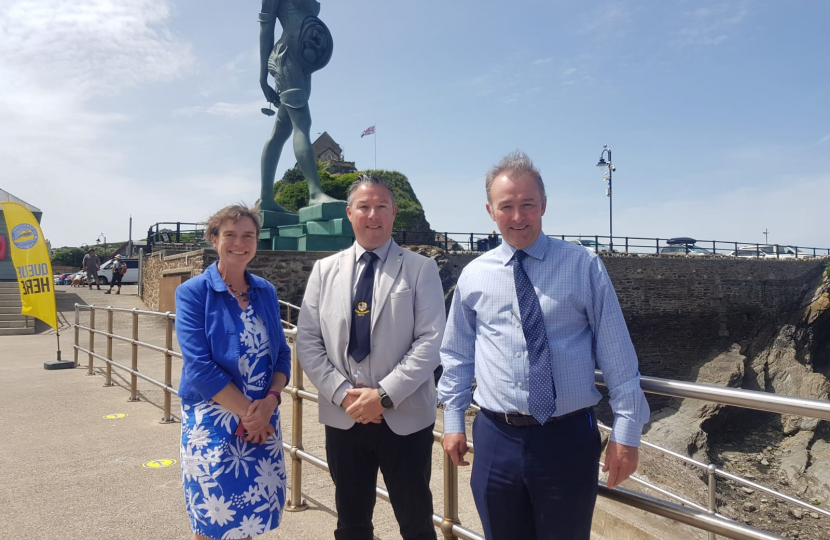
(257, 421)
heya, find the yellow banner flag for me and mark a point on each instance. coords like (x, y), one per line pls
(32, 263)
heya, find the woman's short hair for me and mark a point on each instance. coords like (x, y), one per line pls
(516, 164)
(234, 212)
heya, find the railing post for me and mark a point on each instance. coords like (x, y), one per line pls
(713, 494)
(167, 417)
(657, 246)
(471, 242)
(626, 244)
(77, 332)
(450, 497)
(91, 338)
(296, 502)
(108, 380)
(134, 358)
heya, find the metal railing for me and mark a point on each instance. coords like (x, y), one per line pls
(698, 516)
(480, 242)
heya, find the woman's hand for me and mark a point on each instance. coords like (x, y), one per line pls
(259, 436)
(258, 415)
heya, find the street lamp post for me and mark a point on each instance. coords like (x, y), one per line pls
(105, 243)
(610, 166)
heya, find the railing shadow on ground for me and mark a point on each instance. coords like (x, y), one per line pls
(701, 517)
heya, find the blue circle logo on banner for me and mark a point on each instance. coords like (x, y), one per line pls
(24, 236)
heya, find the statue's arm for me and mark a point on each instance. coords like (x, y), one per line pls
(267, 24)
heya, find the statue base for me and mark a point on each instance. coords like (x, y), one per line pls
(320, 227)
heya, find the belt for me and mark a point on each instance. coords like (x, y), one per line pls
(525, 420)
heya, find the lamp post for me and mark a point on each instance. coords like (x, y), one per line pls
(98, 240)
(607, 176)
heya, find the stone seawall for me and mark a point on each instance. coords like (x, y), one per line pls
(678, 309)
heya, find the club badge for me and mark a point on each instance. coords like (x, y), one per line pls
(362, 309)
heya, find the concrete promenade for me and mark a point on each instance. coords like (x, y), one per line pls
(68, 473)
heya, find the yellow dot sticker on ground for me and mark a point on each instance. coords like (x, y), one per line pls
(115, 416)
(158, 463)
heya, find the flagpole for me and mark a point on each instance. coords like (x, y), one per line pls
(376, 146)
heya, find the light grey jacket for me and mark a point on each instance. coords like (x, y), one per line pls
(408, 321)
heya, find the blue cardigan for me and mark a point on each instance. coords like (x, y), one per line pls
(208, 332)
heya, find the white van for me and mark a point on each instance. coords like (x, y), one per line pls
(105, 272)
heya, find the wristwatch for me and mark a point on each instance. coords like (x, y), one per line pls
(385, 400)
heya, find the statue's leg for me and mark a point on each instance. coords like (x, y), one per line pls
(301, 119)
(271, 158)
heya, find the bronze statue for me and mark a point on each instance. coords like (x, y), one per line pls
(304, 47)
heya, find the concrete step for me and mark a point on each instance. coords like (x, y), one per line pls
(16, 331)
(9, 285)
(11, 303)
(9, 292)
(10, 310)
(13, 317)
(17, 324)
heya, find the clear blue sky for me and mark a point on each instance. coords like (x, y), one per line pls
(716, 112)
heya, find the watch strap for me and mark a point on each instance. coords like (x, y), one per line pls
(279, 397)
(385, 400)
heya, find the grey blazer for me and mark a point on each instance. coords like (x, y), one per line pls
(408, 321)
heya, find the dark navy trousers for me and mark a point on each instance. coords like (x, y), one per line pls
(536, 482)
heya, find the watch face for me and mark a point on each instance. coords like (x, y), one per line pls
(386, 402)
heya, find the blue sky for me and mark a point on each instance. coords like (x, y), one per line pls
(716, 111)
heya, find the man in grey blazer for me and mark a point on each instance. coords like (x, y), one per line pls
(368, 338)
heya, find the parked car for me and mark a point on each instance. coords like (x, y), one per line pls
(105, 272)
(777, 251)
(591, 245)
(64, 279)
(686, 249)
(746, 253)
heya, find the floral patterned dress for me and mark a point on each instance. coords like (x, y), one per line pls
(233, 488)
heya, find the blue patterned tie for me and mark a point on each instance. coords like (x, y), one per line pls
(542, 392)
(360, 339)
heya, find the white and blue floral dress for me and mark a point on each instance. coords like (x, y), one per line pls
(233, 488)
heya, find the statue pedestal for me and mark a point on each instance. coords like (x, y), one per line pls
(320, 227)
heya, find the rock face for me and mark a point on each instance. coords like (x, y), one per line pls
(680, 427)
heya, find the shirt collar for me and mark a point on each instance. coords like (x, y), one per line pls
(381, 252)
(538, 249)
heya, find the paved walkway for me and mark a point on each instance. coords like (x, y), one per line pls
(69, 473)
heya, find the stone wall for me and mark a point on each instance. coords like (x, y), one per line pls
(679, 310)
(287, 270)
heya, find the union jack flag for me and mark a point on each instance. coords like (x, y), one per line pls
(368, 131)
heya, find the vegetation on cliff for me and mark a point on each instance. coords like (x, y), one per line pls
(291, 192)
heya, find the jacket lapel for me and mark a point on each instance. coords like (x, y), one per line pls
(346, 284)
(387, 277)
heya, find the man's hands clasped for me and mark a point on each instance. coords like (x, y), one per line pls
(363, 404)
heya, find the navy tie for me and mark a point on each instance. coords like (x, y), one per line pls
(542, 392)
(360, 340)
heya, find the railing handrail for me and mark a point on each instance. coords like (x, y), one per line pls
(450, 527)
(737, 397)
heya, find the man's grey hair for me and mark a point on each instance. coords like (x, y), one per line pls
(369, 180)
(515, 164)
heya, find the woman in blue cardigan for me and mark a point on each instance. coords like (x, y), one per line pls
(235, 364)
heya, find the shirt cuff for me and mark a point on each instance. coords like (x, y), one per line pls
(340, 393)
(454, 421)
(626, 432)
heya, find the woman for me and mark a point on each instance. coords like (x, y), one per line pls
(235, 364)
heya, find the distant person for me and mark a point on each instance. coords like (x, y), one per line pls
(91, 265)
(368, 339)
(235, 363)
(493, 240)
(119, 268)
(530, 321)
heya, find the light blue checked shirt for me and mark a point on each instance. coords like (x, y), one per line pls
(585, 328)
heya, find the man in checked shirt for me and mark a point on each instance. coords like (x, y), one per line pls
(531, 320)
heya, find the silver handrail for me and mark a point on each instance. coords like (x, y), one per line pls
(750, 399)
